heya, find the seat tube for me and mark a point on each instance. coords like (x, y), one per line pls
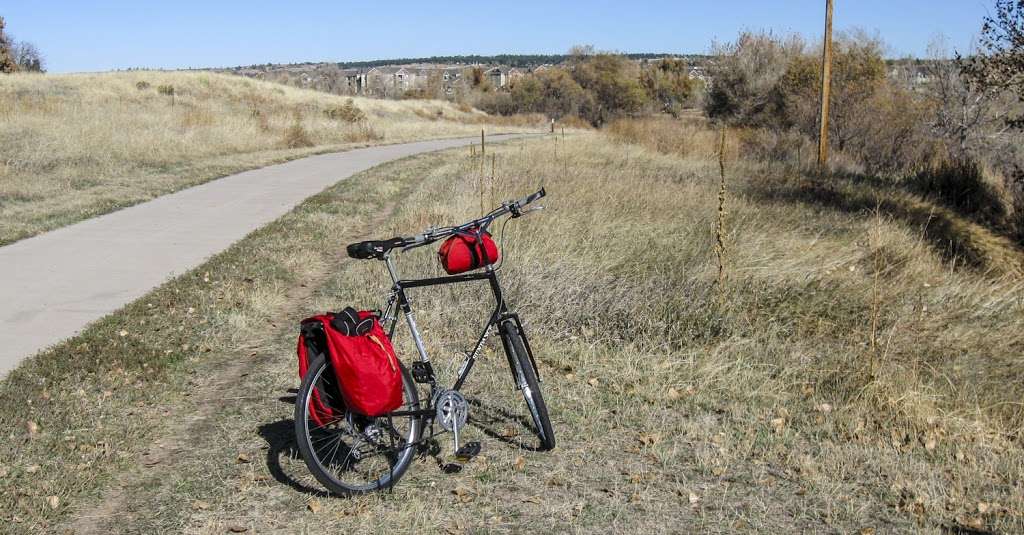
(403, 302)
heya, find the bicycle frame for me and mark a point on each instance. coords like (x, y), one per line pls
(399, 300)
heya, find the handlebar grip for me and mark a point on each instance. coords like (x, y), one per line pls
(531, 197)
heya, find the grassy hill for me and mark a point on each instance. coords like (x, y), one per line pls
(840, 373)
(75, 146)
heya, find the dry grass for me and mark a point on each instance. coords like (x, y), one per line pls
(75, 146)
(677, 409)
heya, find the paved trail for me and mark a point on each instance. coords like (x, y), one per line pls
(53, 285)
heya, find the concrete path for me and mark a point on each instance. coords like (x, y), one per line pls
(53, 285)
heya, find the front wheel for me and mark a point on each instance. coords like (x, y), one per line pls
(526, 381)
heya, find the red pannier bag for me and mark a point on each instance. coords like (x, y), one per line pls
(320, 412)
(366, 370)
(467, 251)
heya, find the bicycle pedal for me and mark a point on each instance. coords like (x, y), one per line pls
(423, 372)
(468, 451)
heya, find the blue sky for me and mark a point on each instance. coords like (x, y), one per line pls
(96, 36)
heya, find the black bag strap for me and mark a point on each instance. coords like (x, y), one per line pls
(475, 240)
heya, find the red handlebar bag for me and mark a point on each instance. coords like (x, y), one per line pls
(467, 251)
(368, 376)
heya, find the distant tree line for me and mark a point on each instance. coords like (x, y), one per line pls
(522, 61)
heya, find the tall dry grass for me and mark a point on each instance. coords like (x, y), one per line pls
(848, 379)
(74, 146)
(847, 352)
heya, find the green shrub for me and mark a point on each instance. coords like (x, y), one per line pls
(165, 89)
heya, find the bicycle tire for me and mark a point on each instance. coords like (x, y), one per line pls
(530, 386)
(305, 441)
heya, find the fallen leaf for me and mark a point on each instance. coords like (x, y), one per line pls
(825, 408)
(200, 505)
(593, 381)
(261, 477)
(243, 458)
(532, 499)
(649, 439)
(53, 501)
(33, 428)
(463, 494)
(867, 531)
(694, 499)
(3, 471)
(123, 333)
(984, 507)
(519, 464)
(673, 394)
(32, 469)
(313, 506)
(570, 376)
(778, 424)
(235, 528)
(930, 444)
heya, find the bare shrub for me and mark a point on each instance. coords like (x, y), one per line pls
(142, 85)
(28, 57)
(165, 89)
(348, 112)
(296, 136)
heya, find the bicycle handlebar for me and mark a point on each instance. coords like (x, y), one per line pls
(377, 248)
(509, 207)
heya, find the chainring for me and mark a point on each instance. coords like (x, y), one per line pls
(451, 408)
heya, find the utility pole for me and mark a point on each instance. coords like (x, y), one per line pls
(826, 86)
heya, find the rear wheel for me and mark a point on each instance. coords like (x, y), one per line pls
(346, 452)
(526, 381)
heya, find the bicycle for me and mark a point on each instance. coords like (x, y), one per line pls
(375, 452)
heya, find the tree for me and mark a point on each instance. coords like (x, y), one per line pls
(745, 75)
(28, 57)
(615, 87)
(668, 84)
(7, 63)
(1000, 63)
(964, 108)
(858, 74)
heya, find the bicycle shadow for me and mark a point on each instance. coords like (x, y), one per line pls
(280, 436)
(487, 418)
